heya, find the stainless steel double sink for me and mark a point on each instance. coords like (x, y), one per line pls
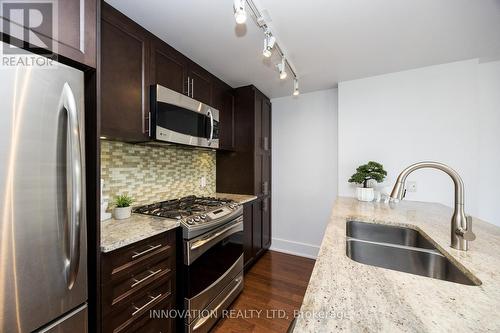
(400, 249)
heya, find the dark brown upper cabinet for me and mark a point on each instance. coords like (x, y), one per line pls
(223, 100)
(200, 84)
(248, 169)
(169, 68)
(75, 35)
(77, 32)
(124, 73)
(132, 60)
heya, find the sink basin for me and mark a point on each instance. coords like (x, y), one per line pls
(387, 234)
(400, 249)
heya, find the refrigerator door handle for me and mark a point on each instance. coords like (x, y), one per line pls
(74, 186)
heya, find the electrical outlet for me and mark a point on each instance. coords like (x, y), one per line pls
(411, 186)
(203, 182)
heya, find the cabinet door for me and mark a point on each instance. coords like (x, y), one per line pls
(168, 67)
(247, 232)
(201, 84)
(257, 228)
(124, 72)
(266, 146)
(223, 100)
(266, 222)
(75, 35)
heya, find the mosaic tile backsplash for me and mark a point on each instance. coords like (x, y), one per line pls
(149, 173)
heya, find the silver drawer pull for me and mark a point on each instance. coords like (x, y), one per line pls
(137, 310)
(151, 248)
(136, 282)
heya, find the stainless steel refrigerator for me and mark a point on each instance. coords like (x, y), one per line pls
(43, 263)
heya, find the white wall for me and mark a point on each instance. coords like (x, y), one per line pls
(304, 164)
(447, 113)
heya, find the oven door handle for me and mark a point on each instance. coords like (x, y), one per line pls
(224, 232)
(203, 320)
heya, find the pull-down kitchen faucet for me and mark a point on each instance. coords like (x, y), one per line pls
(461, 224)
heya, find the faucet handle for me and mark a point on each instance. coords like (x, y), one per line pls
(467, 234)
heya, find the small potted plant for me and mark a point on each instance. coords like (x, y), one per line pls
(365, 173)
(123, 209)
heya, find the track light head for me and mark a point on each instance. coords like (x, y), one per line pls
(269, 42)
(282, 68)
(296, 91)
(240, 14)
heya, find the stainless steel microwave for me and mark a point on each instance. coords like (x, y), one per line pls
(177, 118)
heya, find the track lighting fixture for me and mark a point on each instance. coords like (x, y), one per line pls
(269, 42)
(271, 45)
(282, 68)
(296, 91)
(240, 14)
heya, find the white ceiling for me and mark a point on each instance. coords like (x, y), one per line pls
(327, 40)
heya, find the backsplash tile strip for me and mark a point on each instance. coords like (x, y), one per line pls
(150, 173)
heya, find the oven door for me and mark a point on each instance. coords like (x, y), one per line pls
(214, 270)
(180, 119)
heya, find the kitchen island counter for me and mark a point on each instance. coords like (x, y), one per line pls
(344, 295)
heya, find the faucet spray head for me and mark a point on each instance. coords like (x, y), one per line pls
(398, 192)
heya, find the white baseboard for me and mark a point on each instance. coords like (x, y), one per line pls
(295, 248)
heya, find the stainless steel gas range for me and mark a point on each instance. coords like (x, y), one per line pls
(212, 241)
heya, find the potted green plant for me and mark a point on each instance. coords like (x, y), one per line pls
(122, 207)
(365, 173)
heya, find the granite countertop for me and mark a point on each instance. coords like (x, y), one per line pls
(240, 198)
(344, 295)
(119, 233)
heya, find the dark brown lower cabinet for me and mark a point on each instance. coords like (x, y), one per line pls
(138, 286)
(257, 229)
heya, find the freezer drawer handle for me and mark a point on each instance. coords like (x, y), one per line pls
(151, 248)
(67, 103)
(152, 273)
(137, 310)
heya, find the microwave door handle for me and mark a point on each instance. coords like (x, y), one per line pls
(209, 113)
(74, 186)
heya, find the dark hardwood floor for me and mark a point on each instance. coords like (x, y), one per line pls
(277, 282)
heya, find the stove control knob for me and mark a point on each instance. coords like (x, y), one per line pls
(203, 216)
(190, 221)
(197, 219)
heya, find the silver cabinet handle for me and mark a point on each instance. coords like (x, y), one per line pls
(192, 87)
(204, 319)
(213, 236)
(74, 194)
(266, 143)
(151, 248)
(209, 114)
(137, 310)
(188, 85)
(265, 188)
(136, 282)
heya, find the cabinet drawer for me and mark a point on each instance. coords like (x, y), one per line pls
(136, 280)
(118, 264)
(127, 315)
(156, 321)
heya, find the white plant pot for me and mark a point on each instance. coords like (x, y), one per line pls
(121, 213)
(365, 194)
